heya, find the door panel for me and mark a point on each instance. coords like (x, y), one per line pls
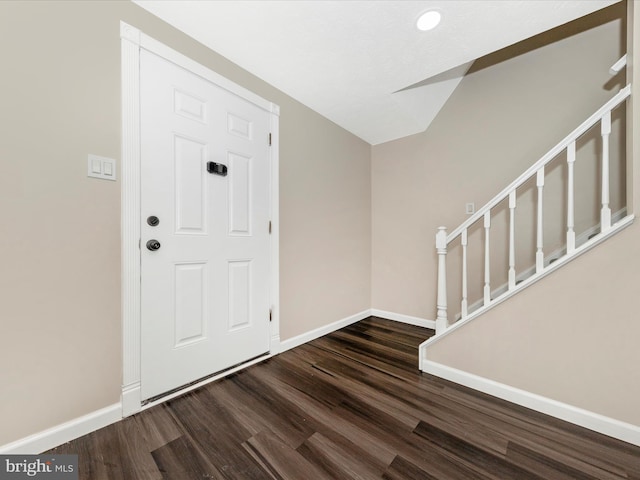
(205, 291)
(239, 294)
(190, 186)
(190, 290)
(240, 194)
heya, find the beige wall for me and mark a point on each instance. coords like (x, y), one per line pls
(510, 108)
(60, 280)
(574, 336)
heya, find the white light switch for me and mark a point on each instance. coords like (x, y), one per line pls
(96, 166)
(101, 167)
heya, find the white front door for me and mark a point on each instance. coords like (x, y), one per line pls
(205, 289)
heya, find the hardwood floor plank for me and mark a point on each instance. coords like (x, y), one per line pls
(390, 355)
(391, 395)
(117, 452)
(179, 459)
(91, 459)
(460, 448)
(368, 356)
(547, 466)
(306, 380)
(280, 460)
(339, 460)
(158, 427)
(402, 469)
(278, 412)
(216, 435)
(357, 384)
(136, 461)
(397, 334)
(431, 461)
(389, 404)
(331, 425)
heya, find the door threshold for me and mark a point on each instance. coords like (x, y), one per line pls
(176, 392)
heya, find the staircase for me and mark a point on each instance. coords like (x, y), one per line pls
(505, 204)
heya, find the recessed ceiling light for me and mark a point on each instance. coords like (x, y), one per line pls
(428, 20)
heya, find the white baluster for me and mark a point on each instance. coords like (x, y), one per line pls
(487, 263)
(441, 248)
(605, 214)
(571, 234)
(539, 252)
(464, 305)
(512, 234)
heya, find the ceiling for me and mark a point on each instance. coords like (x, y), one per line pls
(363, 64)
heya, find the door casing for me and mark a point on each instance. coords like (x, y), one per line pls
(132, 40)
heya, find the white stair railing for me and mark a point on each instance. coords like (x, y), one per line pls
(568, 145)
(619, 65)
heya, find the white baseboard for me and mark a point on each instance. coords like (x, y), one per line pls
(345, 322)
(399, 317)
(65, 432)
(321, 331)
(578, 416)
(275, 344)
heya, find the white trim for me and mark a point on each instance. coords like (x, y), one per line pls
(321, 331)
(160, 49)
(275, 232)
(131, 399)
(578, 416)
(619, 65)
(130, 217)
(409, 320)
(65, 432)
(585, 247)
(132, 40)
(548, 260)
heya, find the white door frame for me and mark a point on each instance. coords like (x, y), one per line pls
(132, 40)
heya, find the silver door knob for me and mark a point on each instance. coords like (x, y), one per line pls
(153, 245)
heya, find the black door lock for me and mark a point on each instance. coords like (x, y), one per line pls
(153, 221)
(153, 245)
(217, 168)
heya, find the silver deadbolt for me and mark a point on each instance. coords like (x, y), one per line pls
(153, 245)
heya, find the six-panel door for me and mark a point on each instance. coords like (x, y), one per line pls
(205, 291)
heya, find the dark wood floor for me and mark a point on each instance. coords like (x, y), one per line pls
(351, 405)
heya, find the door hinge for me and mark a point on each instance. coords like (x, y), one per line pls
(269, 227)
(269, 139)
(270, 315)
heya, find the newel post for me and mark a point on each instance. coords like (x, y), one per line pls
(441, 248)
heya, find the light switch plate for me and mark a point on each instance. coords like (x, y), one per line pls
(470, 208)
(101, 167)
